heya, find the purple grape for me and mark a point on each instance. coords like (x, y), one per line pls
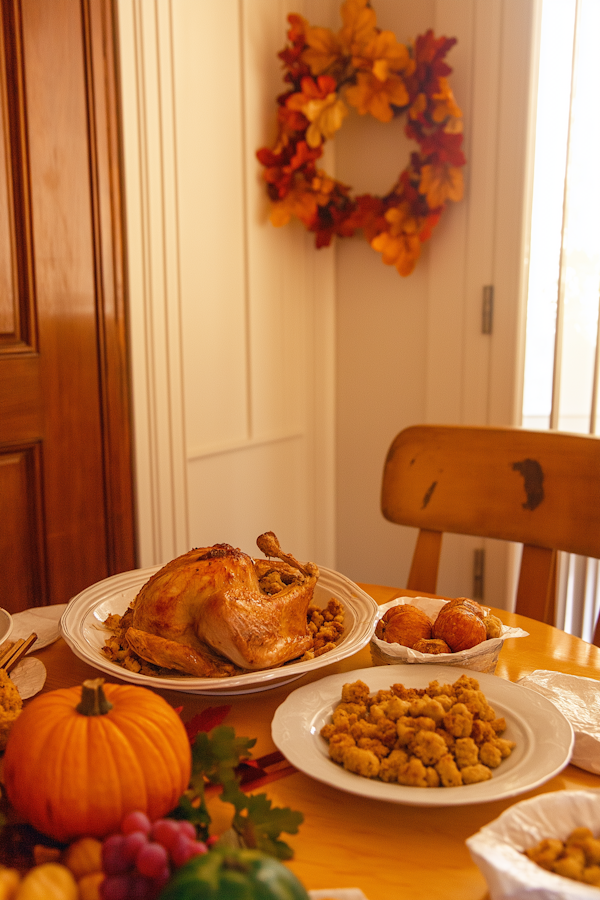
(113, 859)
(197, 848)
(116, 887)
(136, 821)
(152, 860)
(184, 849)
(165, 831)
(162, 879)
(132, 844)
(180, 852)
(188, 828)
(142, 888)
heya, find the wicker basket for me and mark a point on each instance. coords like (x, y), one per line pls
(481, 658)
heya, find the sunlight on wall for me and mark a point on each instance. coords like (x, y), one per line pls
(562, 348)
(562, 316)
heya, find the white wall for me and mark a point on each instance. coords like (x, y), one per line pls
(269, 377)
(411, 350)
(231, 321)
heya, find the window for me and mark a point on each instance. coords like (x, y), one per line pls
(562, 347)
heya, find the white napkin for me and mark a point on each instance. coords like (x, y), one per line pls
(43, 620)
(578, 699)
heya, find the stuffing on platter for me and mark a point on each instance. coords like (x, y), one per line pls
(577, 857)
(444, 735)
(216, 612)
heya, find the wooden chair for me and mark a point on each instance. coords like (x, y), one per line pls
(538, 488)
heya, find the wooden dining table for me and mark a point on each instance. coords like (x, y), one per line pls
(387, 850)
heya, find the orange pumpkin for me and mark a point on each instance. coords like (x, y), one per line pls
(79, 759)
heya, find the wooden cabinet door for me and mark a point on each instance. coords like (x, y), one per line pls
(66, 517)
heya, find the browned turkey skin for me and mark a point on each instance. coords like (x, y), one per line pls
(216, 606)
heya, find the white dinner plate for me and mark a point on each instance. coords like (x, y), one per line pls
(82, 628)
(543, 737)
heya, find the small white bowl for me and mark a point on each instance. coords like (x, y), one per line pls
(6, 625)
(497, 849)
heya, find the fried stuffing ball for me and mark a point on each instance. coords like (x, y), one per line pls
(493, 626)
(577, 857)
(434, 645)
(441, 736)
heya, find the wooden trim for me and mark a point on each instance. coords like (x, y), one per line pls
(25, 339)
(596, 638)
(33, 589)
(151, 176)
(99, 40)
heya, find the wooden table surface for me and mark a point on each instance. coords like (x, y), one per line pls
(387, 850)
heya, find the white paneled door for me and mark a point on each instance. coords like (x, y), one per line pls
(232, 333)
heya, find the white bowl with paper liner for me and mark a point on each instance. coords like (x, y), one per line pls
(481, 658)
(498, 848)
(6, 625)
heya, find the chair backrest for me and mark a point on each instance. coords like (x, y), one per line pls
(538, 488)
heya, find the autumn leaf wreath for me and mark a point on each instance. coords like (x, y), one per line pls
(366, 68)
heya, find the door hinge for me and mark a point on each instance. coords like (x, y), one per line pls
(478, 573)
(487, 309)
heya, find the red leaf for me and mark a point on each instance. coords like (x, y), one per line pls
(208, 719)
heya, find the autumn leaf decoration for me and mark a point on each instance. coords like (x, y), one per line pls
(366, 68)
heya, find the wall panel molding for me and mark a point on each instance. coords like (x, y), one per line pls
(146, 65)
(231, 324)
(24, 581)
(18, 331)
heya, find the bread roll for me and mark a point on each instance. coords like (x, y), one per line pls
(403, 625)
(459, 627)
(471, 605)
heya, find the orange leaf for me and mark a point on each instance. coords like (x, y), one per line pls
(441, 183)
(370, 95)
(402, 251)
(359, 28)
(323, 49)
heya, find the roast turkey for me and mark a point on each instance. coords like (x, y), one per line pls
(216, 608)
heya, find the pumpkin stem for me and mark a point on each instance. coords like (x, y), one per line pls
(93, 699)
(236, 865)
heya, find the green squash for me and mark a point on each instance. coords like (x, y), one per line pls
(223, 874)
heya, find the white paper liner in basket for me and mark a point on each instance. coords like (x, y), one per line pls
(497, 849)
(481, 658)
